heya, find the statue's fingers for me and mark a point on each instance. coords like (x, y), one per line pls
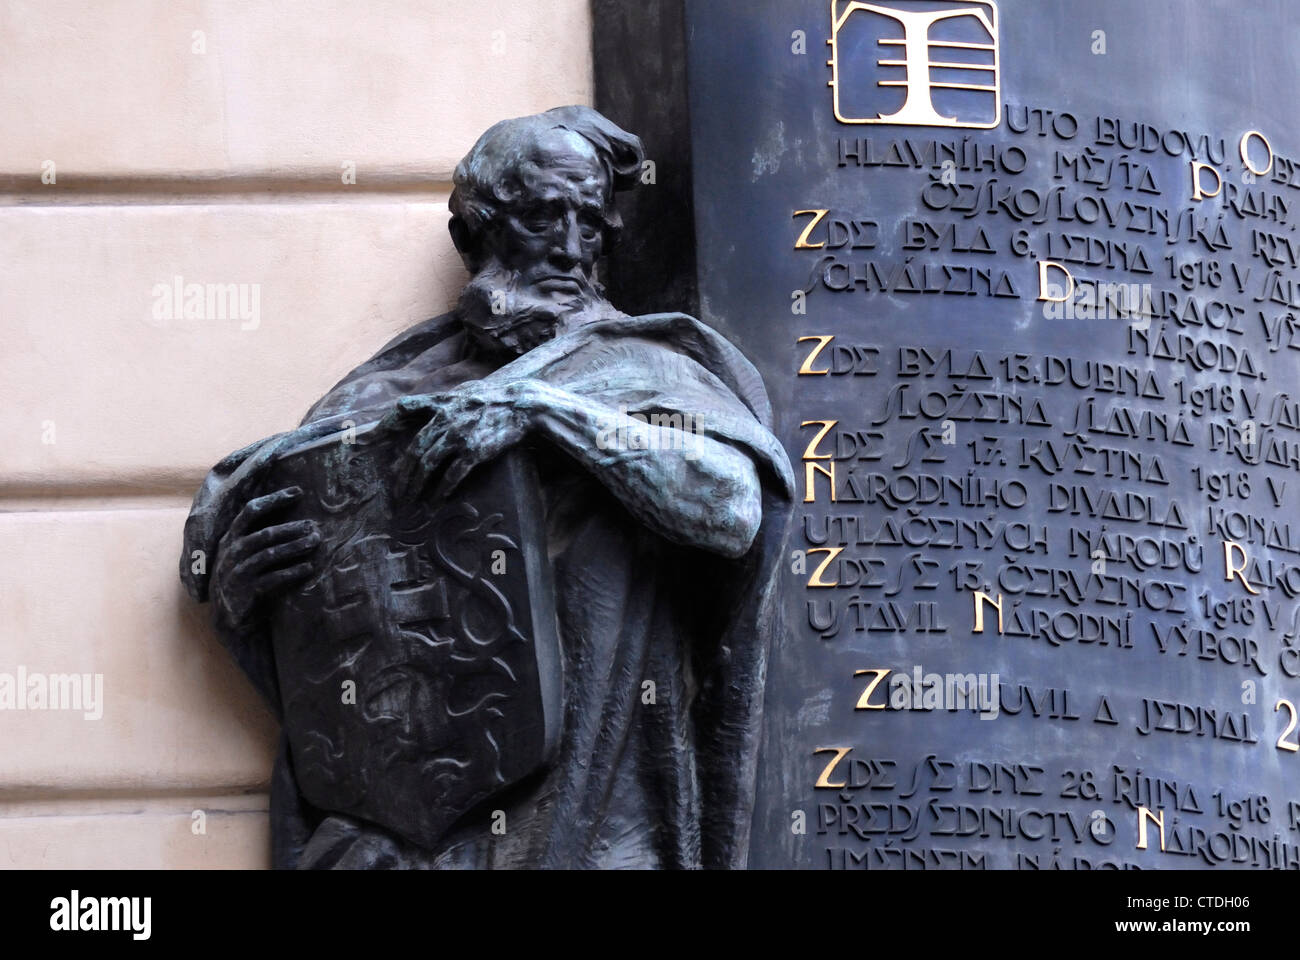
(408, 411)
(270, 536)
(437, 458)
(277, 580)
(281, 553)
(405, 470)
(410, 466)
(404, 474)
(454, 474)
(248, 577)
(254, 513)
(419, 462)
(414, 407)
(427, 437)
(478, 447)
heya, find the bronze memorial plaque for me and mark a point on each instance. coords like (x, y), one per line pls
(1022, 280)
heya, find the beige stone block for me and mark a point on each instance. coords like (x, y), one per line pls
(183, 88)
(97, 593)
(176, 833)
(103, 385)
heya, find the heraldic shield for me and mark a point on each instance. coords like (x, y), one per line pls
(419, 669)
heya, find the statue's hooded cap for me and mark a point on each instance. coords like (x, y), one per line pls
(508, 143)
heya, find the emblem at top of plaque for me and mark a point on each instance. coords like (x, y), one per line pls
(922, 64)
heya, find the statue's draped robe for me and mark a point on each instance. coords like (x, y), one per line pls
(667, 783)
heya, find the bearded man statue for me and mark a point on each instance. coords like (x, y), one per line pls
(510, 586)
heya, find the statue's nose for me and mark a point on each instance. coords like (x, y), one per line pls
(567, 248)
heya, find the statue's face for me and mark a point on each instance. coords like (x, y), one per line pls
(538, 272)
(551, 236)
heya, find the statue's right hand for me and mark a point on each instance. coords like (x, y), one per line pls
(257, 559)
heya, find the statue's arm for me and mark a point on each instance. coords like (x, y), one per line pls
(686, 486)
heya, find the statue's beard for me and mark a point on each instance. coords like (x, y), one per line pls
(504, 316)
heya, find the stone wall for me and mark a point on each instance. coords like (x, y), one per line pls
(297, 157)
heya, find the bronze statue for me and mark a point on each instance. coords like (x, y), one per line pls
(510, 585)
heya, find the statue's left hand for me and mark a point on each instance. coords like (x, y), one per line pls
(463, 428)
